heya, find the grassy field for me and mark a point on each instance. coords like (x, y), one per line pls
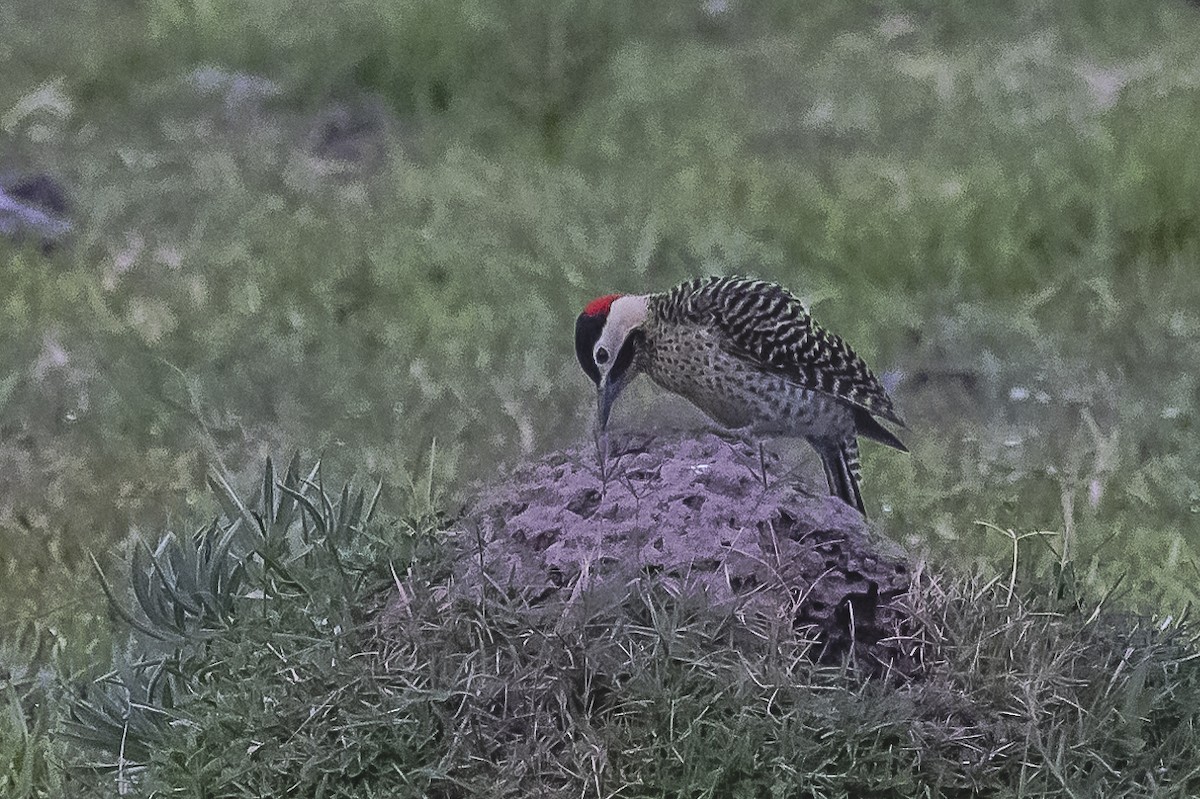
(365, 237)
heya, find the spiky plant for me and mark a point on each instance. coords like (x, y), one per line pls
(189, 591)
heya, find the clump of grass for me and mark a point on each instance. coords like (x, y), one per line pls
(227, 623)
(635, 691)
(1054, 696)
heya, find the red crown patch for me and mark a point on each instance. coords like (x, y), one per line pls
(600, 305)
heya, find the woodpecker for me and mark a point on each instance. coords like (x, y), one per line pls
(748, 354)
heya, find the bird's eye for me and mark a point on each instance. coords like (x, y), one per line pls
(601, 356)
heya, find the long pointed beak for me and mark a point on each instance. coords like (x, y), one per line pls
(606, 394)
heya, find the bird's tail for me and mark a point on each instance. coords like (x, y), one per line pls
(843, 472)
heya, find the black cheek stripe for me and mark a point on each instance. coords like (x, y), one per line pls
(587, 333)
(625, 356)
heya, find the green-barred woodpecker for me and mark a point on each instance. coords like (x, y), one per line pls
(748, 354)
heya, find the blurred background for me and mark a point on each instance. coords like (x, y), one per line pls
(363, 232)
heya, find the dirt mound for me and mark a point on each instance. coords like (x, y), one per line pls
(699, 513)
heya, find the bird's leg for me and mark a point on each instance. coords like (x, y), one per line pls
(741, 442)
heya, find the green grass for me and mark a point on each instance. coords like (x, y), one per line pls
(258, 664)
(961, 192)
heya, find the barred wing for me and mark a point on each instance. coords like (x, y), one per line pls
(766, 325)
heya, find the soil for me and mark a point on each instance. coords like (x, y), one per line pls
(700, 513)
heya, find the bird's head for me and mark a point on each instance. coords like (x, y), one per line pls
(607, 336)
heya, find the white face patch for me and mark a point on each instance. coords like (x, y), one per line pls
(625, 314)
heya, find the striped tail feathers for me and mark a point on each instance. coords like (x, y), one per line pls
(843, 472)
(869, 427)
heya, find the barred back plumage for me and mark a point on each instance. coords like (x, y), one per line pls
(767, 326)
